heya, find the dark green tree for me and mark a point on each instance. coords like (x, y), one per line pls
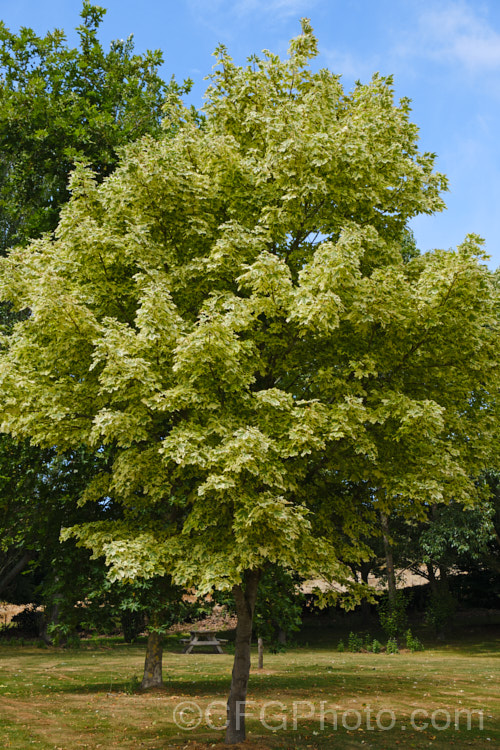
(59, 104)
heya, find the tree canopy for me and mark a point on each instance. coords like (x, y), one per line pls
(235, 310)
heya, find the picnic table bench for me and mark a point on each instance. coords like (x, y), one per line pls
(203, 638)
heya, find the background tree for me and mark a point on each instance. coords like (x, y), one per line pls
(452, 539)
(59, 104)
(492, 478)
(39, 490)
(279, 607)
(232, 307)
(146, 605)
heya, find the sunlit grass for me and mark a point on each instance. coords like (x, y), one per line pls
(69, 699)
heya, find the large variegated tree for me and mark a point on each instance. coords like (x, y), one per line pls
(236, 312)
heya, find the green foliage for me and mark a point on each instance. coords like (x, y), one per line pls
(393, 616)
(146, 604)
(392, 646)
(376, 646)
(277, 648)
(491, 478)
(355, 642)
(132, 625)
(24, 486)
(195, 610)
(458, 536)
(235, 311)
(279, 607)
(440, 610)
(412, 642)
(59, 105)
(358, 642)
(479, 588)
(278, 611)
(367, 642)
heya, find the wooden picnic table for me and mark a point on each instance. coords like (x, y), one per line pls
(203, 638)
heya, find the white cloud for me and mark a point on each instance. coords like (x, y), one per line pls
(280, 9)
(352, 67)
(457, 32)
(277, 10)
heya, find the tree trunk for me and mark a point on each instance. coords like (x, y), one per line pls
(153, 662)
(51, 617)
(245, 596)
(389, 560)
(444, 583)
(260, 647)
(432, 578)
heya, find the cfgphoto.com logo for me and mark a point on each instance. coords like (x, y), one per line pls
(277, 716)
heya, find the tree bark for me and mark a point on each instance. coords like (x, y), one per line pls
(153, 663)
(389, 560)
(51, 617)
(245, 596)
(432, 578)
(444, 583)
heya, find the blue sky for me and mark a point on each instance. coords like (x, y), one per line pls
(444, 55)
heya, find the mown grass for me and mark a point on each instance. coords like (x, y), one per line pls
(71, 699)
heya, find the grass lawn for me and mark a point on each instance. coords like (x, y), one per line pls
(68, 699)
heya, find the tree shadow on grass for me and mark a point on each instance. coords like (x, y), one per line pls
(329, 682)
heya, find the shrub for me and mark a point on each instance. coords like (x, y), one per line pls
(354, 642)
(392, 646)
(393, 617)
(412, 642)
